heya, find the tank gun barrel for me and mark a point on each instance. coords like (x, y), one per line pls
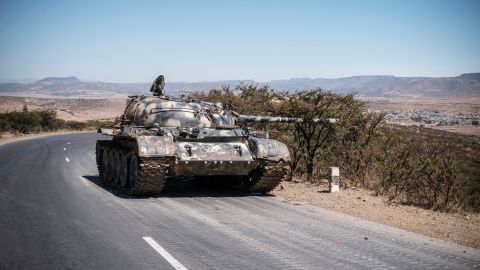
(274, 119)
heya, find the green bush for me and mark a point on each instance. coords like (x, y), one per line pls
(25, 122)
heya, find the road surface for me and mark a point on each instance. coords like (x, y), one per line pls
(54, 214)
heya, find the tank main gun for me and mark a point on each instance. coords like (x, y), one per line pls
(275, 119)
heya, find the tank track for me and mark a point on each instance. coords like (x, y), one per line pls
(98, 158)
(151, 176)
(268, 176)
(151, 170)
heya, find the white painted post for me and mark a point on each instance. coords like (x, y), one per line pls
(334, 185)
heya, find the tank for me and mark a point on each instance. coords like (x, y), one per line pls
(160, 136)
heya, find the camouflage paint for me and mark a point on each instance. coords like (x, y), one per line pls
(199, 138)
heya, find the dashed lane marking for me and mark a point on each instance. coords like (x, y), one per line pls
(167, 256)
(68, 160)
(64, 149)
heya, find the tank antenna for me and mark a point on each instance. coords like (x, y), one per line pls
(158, 85)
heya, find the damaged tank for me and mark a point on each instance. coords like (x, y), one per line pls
(160, 136)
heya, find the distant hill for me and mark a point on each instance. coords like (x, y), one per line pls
(59, 81)
(390, 86)
(370, 86)
(471, 76)
(71, 87)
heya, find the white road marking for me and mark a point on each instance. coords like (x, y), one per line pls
(68, 160)
(167, 256)
(64, 149)
(68, 142)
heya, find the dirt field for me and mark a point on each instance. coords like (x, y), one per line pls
(461, 129)
(447, 105)
(455, 227)
(68, 109)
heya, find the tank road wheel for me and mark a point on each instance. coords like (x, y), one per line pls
(99, 160)
(105, 168)
(266, 177)
(111, 168)
(116, 168)
(133, 171)
(123, 171)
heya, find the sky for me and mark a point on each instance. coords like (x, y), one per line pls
(134, 41)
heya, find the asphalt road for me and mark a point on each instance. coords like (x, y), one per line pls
(54, 214)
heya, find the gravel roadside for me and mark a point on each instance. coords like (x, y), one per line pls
(461, 228)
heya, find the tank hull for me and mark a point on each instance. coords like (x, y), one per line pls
(211, 167)
(159, 157)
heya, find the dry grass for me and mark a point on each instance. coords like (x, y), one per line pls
(68, 109)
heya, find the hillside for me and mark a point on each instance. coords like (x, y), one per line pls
(390, 86)
(465, 85)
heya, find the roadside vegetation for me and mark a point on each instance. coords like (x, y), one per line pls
(27, 122)
(410, 165)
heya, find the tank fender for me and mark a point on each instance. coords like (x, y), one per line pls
(269, 149)
(150, 146)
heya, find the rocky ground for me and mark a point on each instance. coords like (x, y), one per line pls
(462, 228)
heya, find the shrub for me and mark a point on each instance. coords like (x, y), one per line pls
(26, 121)
(418, 166)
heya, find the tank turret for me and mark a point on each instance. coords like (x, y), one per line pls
(161, 136)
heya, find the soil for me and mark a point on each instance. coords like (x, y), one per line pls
(461, 228)
(68, 109)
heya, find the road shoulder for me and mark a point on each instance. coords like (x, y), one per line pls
(461, 228)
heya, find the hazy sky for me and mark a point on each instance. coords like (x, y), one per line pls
(133, 41)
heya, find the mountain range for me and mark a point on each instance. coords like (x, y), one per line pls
(464, 85)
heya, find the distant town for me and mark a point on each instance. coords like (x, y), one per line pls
(431, 118)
